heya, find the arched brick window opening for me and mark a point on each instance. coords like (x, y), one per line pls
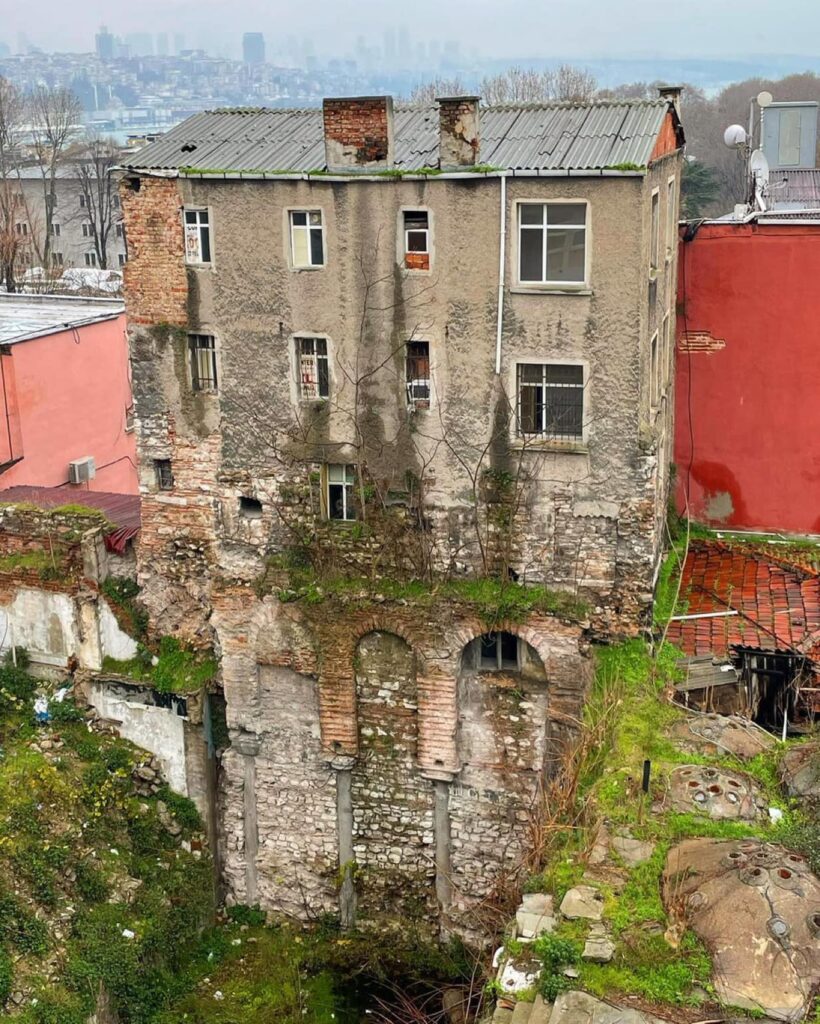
(502, 651)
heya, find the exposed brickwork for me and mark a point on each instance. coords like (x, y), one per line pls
(459, 131)
(156, 287)
(358, 131)
(667, 141)
(699, 341)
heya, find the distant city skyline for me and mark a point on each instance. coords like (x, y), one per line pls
(519, 29)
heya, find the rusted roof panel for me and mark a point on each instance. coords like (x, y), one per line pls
(526, 137)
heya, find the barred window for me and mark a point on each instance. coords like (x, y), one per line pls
(202, 348)
(164, 474)
(418, 374)
(551, 401)
(313, 369)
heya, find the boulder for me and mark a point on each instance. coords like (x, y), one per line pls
(580, 1008)
(722, 734)
(723, 795)
(583, 901)
(800, 771)
(756, 906)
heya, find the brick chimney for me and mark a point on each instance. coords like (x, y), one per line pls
(671, 93)
(358, 133)
(458, 138)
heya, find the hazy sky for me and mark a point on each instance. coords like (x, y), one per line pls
(503, 28)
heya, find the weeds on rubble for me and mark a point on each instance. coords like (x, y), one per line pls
(175, 669)
(123, 594)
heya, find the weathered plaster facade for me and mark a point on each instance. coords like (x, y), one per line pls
(363, 742)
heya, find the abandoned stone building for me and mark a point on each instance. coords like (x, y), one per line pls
(380, 355)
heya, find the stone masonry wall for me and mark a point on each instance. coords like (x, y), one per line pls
(393, 838)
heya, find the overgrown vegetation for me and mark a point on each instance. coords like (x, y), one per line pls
(123, 596)
(95, 893)
(174, 669)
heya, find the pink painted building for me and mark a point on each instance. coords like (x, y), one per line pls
(65, 395)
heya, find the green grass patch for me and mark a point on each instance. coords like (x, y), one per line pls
(178, 669)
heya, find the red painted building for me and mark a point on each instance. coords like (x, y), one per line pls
(65, 395)
(747, 428)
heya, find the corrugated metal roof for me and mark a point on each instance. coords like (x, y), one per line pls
(23, 317)
(556, 136)
(122, 510)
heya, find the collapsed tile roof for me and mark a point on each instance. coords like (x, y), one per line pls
(749, 598)
(121, 510)
(593, 136)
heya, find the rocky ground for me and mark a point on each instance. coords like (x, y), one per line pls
(698, 901)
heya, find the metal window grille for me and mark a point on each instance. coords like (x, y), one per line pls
(497, 651)
(551, 401)
(418, 374)
(552, 243)
(341, 480)
(197, 236)
(313, 367)
(307, 238)
(164, 474)
(202, 348)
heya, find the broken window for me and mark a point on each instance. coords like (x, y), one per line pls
(341, 480)
(164, 474)
(497, 651)
(654, 242)
(416, 240)
(552, 243)
(250, 508)
(307, 238)
(551, 401)
(202, 348)
(313, 369)
(197, 236)
(418, 374)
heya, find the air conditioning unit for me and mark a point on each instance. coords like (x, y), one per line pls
(81, 470)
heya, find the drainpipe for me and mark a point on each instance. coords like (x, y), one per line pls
(502, 255)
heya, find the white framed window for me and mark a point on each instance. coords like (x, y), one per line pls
(86, 229)
(82, 201)
(56, 259)
(552, 243)
(654, 229)
(197, 236)
(90, 259)
(118, 230)
(671, 218)
(418, 374)
(654, 372)
(416, 239)
(307, 238)
(550, 401)
(55, 230)
(313, 369)
(202, 351)
(340, 481)
(121, 259)
(22, 228)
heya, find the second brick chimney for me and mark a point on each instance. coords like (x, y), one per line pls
(458, 137)
(358, 133)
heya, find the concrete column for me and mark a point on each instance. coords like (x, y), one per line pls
(441, 826)
(248, 746)
(344, 818)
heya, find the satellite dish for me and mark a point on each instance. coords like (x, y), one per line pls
(765, 99)
(735, 136)
(759, 167)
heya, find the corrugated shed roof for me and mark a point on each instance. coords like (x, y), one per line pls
(551, 136)
(23, 317)
(122, 510)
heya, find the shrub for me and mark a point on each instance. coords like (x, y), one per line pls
(92, 885)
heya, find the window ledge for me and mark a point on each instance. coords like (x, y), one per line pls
(559, 447)
(299, 270)
(549, 289)
(200, 266)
